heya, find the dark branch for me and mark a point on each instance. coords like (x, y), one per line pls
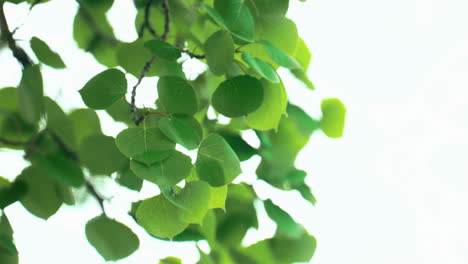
(89, 19)
(167, 20)
(133, 108)
(18, 52)
(96, 195)
(12, 142)
(146, 22)
(193, 55)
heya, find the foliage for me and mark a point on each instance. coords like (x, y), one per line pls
(243, 43)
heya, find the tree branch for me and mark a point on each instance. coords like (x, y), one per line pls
(146, 22)
(12, 142)
(133, 108)
(167, 20)
(18, 52)
(193, 55)
(96, 195)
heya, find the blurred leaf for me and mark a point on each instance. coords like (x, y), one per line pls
(43, 197)
(286, 226)
(45, 54)
(110, 238)
(333, 117)
(85, 122)
(30, 92)
(100, 155)
(11, 192)
(59, 123)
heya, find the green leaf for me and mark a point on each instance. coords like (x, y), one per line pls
(11, 192)
(177, 96)
(216, 162)
(219, 51)
(59, 123)
(280, 32)
(111, 239)
(237, 18)
(59, 164)
(286, 226)
(120, 111)
(242, 149)
(85, 122)
(159, 217)
(128, 179)
(215, 16)
(164, 173)
(30, 92)
(302, 54)
(146, 145)
(195, 199)
(302, 76)
(288, 250)
(45, 54)
(101, 45)
(163, 49)
(266, 8)
(133, 56)
(8, 252)
(264, 69)
(100, 155)
(182, 129)
(170, 260)
(273, 106)
(104, 89)
(279, 56)
(218, 197)
(238, 96)
(333, 117)
(43, 197)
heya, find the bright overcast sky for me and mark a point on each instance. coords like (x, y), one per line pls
(393, 190)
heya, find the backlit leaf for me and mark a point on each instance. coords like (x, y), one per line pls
(333, 117)
(165, 173)
(216, 162)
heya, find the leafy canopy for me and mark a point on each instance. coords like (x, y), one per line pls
(242, 44)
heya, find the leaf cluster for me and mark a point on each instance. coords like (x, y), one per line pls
(242, 43)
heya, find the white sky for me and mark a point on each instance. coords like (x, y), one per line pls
(393, 190)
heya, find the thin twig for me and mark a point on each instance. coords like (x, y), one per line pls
(96, 195)
(12, 142)
(18, 52)
(193, 55)
(146, 22)
(133, 108)
(167, 20)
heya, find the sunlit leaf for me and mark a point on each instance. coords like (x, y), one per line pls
(104, 89)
